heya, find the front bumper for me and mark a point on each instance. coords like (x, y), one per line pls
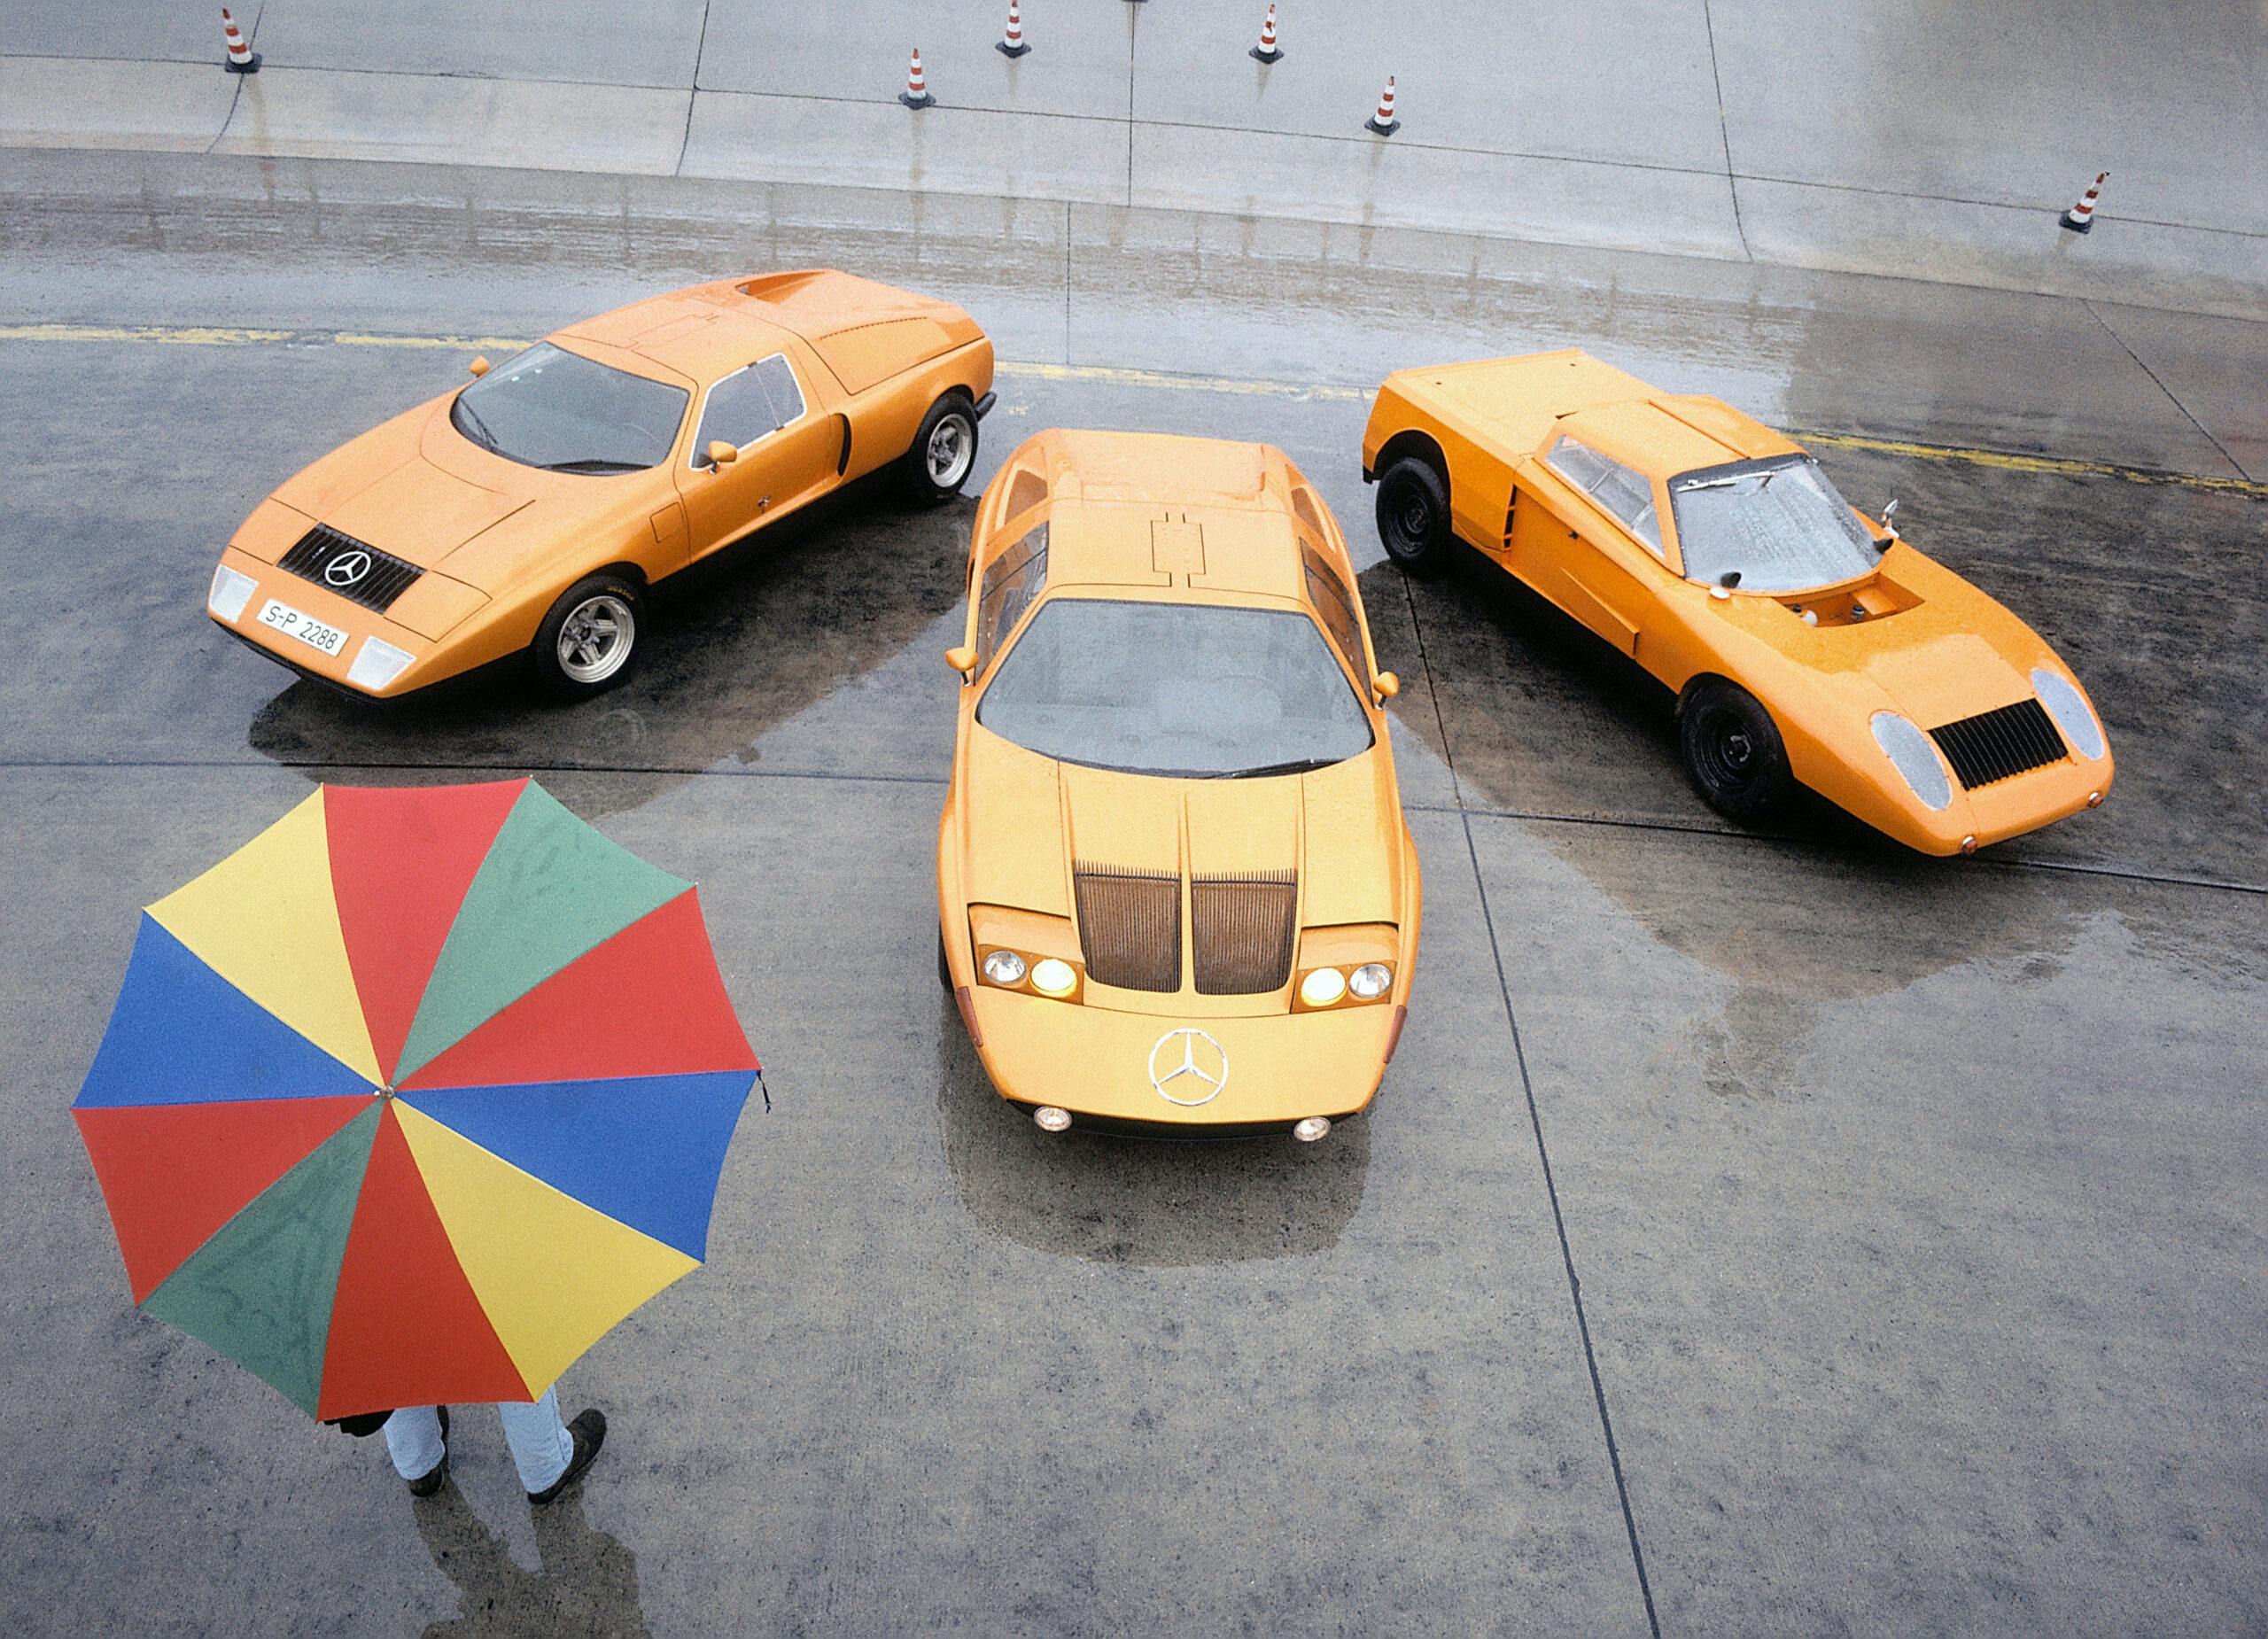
(1992, 813)
(1273, 1070)
(428, 663)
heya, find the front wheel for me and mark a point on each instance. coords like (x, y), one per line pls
(943, 451)
(588, 641)
(1733, 751)
(1413, 512)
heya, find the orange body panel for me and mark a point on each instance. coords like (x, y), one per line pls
(498, 541)
(1153, 518)
(1925, 645)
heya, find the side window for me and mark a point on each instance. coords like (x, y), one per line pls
(1011, 581)
(1334, 606)
(750, 404)
(1304, 505)
(1025, 490)
(1625, 494)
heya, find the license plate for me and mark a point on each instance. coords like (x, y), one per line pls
(284, 618)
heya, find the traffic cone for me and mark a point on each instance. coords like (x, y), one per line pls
(1012, 44)
(2080, 217)
(1266, 50)
(242, 59)
(1383, 121)
(916, 94)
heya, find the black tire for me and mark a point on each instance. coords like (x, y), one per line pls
(1733, 751)
(576, 660)
(1413, 513)
(943, 451)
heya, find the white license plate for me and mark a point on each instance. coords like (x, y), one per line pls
(284, 618)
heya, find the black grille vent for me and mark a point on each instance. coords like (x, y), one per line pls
(1244, 926)
(1130, 926)
(2001, 743)
(358, 573)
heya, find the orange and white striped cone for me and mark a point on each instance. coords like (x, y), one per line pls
(1011, 43)
(916, 94)
(1266, 50)
(2080, 217)
(1383, 121)
(241, 59)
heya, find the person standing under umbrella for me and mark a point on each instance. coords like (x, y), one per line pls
(550, 1454)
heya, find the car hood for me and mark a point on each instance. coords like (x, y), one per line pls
(386, 491)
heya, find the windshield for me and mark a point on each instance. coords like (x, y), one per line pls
(550, 407)
(1176, 689)
(1777, 525)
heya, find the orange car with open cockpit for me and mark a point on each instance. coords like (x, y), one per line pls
(1806, 642)
(529, 512)
(1175, 888)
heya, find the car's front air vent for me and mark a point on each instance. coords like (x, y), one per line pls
(2001, 743)
(358, 573)
(1130, 926)
(1244, 926)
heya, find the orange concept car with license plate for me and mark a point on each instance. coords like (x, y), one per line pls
(1176, 891)
(528, 512)
(1806, 642)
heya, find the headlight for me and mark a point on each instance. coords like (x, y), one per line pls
(1323, 987)
(2069, 708)
(378, 664)
(1910, 753)
(1370, 981)
(1005, 967)
(1053, 976)
(231, 591)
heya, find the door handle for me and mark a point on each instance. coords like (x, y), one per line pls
(763, 502)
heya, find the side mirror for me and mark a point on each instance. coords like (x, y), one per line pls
(479, 365)
(721, 454)
(1889, 512)
(961, 660)
(1388, 685)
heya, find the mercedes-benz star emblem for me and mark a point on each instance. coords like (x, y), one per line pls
(347, 568)
(1188, 1067)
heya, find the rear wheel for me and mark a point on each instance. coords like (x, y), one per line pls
(1413, 513)
(1733, 751)
(944, 450)
(589, 641)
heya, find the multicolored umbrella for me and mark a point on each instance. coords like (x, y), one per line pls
(413, 1097)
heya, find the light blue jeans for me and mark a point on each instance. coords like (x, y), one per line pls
(542, 1446)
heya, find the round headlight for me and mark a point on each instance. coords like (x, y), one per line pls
(1005, 967)
(1051, 977)
(1323, 987)
(1910, 753)
(1051, 1119)
(1313, 1128)
(1371, 980)
(2069, 708)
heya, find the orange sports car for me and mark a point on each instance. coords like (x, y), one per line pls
(1806, 642)
(1174, 890)
(529, 511)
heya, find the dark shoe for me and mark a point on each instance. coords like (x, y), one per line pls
(430, 1481)
(589, 1429)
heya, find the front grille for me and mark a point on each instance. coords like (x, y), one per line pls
(1130, 926)
(1244, 929)
(358, 572)
(2001, 743)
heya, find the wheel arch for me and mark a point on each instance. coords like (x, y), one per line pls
(1414, 441)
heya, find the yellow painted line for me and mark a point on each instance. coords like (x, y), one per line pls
(1111, 375)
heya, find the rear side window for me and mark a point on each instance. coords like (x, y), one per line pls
(750, 404)
(1011, 581)
(1625, 494)
(1334, 606)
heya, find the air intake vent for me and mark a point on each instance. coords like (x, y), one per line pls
(2001, 743)
(1244, 929)
(1129, 927)
(358, 573)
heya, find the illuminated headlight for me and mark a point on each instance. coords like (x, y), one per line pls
(1051, 1119)
(1323, 987)
(378, 664)
(2066, 706)
(1313, 1128)
(231, 591)
(1051, 976)
(1370, 981)
(1910, 753)
(1005, 967)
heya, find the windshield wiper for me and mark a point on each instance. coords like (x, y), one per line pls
(592, 463)
(480, 433)
(1297, 765)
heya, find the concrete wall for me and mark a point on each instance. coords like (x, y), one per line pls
(1913, 137)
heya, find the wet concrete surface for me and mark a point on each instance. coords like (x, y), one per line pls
(1883, 1233)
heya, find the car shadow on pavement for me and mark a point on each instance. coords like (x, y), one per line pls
(1115, 1200)
(587, 1586)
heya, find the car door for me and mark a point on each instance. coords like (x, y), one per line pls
(789, 450)
(1598, 554)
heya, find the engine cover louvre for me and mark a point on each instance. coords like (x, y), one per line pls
(2000, 744)
(1244, 928)
(358, 572)
(1130, 926)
